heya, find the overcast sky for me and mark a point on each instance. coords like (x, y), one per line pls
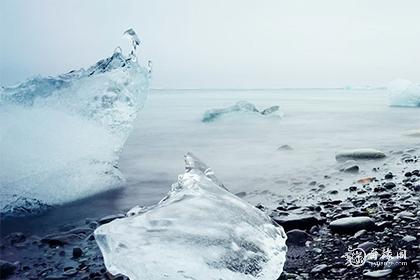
(219, 44)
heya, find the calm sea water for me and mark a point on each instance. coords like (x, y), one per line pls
(243, 151)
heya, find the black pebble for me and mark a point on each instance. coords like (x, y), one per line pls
(77, 252)
(389, 175)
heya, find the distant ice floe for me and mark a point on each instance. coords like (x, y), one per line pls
(241, 107)
(198, 231)
(364, 87)
(404, 93)
(413, 133)
(60, 137)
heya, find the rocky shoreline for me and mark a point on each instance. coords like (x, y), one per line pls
(382, 218)
(379, 214)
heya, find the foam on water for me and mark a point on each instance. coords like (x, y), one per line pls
(60, 137)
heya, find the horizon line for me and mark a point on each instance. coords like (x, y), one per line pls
(279, 88)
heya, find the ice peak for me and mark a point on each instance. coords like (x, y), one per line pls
(135, 41)
(193, 163)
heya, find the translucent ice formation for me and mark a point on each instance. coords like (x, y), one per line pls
(239, 107)
(60, 137)
(198, 231)
(135, 41)
(404, 93)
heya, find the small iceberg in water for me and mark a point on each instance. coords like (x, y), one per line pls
(404, 93)
(241, 107)
(413, 133)
(198, 231)
(60, 137)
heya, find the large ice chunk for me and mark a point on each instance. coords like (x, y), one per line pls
(240, 107)
(404, 93)
(60, 137)
(198, 231)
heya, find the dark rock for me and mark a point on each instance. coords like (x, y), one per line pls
(351, 225)
(240, 194)
(359, 202)
(385, 195)
(389, 175)
(110, 218)
(352, 169)
(314, 230)
(70, 272)
(330, 202)
(346, 205)
(260, 206)
(77, 252)
(297, 237)
(17, 237)
(56, 277)
(285, 148)
(6, 269)
(339, 216)
(378, 189)
(286, 275)
(296, 222)
(319, 268)
(366, 246)
(60, 240)
(389, 185)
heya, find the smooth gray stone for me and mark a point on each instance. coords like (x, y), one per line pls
(360, 233)
(352, 169)
(285, 148)
(319, 268)
(409, 238)
(359, 154)
(352, 225)
(366, 246)
(378, 273)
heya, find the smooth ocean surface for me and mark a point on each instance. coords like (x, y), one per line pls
(243, 150)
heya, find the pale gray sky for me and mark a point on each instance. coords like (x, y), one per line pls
(219, 44)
